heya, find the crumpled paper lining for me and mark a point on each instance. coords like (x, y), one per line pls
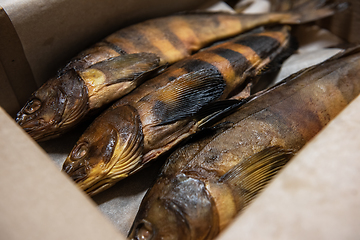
(120, 203)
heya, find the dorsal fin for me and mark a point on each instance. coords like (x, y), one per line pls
(250, 176)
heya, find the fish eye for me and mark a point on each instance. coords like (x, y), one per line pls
(32, 106)
(144, 231)
(79, 151)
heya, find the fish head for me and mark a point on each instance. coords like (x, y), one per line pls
(178, 208)
(54, 107)
(160, 223)
(108, 151)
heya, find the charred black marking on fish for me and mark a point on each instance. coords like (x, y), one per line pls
(193, 65)
(257, 44)
(115, 47)
(203, 91)
(238, 62)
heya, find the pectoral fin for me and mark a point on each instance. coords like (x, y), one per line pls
(250, 176)
(186, 95)
(111, 79)
(129, 67)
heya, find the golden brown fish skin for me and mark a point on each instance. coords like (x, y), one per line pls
(100, 144)
(195, 179)
(167, 105)
(66, 99)
(171, 38)
(235, 62)
(175, 37)
(167, 39)
(50, 108)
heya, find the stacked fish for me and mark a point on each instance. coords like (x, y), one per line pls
(204, 184)
(168, 95)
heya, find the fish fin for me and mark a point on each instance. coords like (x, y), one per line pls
(150, 73)
(312, 10)
(186, 95)
(217, 110)
(249, 177)
(130, 67)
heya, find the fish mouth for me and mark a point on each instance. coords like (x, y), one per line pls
(106, 152)
(93, 189)
(94, 180)
(85, 181)
(40, 129)
(92, 185)
(55, 107)
(99, 180)
(41, 125)
(78, 173)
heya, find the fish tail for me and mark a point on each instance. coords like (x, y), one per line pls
(312, 10)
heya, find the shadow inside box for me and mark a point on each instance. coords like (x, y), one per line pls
(121, 202)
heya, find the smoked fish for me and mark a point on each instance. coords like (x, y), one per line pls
(170, 107)
(206, 183)
(116, 65)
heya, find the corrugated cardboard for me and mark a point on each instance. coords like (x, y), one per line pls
(315, 197)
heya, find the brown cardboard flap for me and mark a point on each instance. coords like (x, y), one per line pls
(37, 200)
(345, 24)
(317, 195)
(16, 78)
(8, 99)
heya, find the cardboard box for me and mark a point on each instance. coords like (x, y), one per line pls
(36, 38)
(315, 197)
